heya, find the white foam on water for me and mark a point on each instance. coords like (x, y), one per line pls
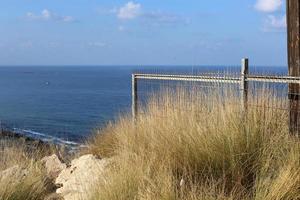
(44, 137)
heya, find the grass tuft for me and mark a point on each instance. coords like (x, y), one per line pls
(22, 177)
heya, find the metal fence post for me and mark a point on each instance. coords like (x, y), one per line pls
(244, 83)
(134, 100)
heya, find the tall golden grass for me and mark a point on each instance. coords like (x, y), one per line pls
(25, 178)
(191, 145)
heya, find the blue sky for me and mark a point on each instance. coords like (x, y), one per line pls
(142, 32)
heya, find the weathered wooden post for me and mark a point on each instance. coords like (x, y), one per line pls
(244, 83)
(134, 100)
(293, 30)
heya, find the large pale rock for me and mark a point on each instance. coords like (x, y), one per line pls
(13, 173)
(53, 166)
(78, 180)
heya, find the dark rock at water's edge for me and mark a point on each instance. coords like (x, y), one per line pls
(34, 145)
(7, 134)
(10, 136)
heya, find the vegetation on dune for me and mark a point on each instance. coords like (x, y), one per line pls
(186, 145)
(22, 176)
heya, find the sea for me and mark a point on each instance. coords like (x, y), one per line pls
(65, 104)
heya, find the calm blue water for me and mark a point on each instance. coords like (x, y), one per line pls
(68, 102)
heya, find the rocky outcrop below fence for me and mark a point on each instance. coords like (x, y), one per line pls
(73, 182)
(72, 179)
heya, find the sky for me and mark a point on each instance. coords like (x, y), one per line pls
(142, 32)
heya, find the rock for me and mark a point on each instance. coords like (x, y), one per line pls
(78, 180)
(13, 173)
(53, 166)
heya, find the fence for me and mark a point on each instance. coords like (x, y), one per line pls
(242, 81)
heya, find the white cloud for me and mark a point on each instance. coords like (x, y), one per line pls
(276, 24)
(273, 22)
(129, 11)
(47, 15)
(268, 5)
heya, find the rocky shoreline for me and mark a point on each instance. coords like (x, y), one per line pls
(70, 177)
(8, 136)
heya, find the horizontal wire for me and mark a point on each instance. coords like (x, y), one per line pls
(226, 78)
(161, 106)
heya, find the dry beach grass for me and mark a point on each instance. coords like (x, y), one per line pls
(201, 146)
(22, 176)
